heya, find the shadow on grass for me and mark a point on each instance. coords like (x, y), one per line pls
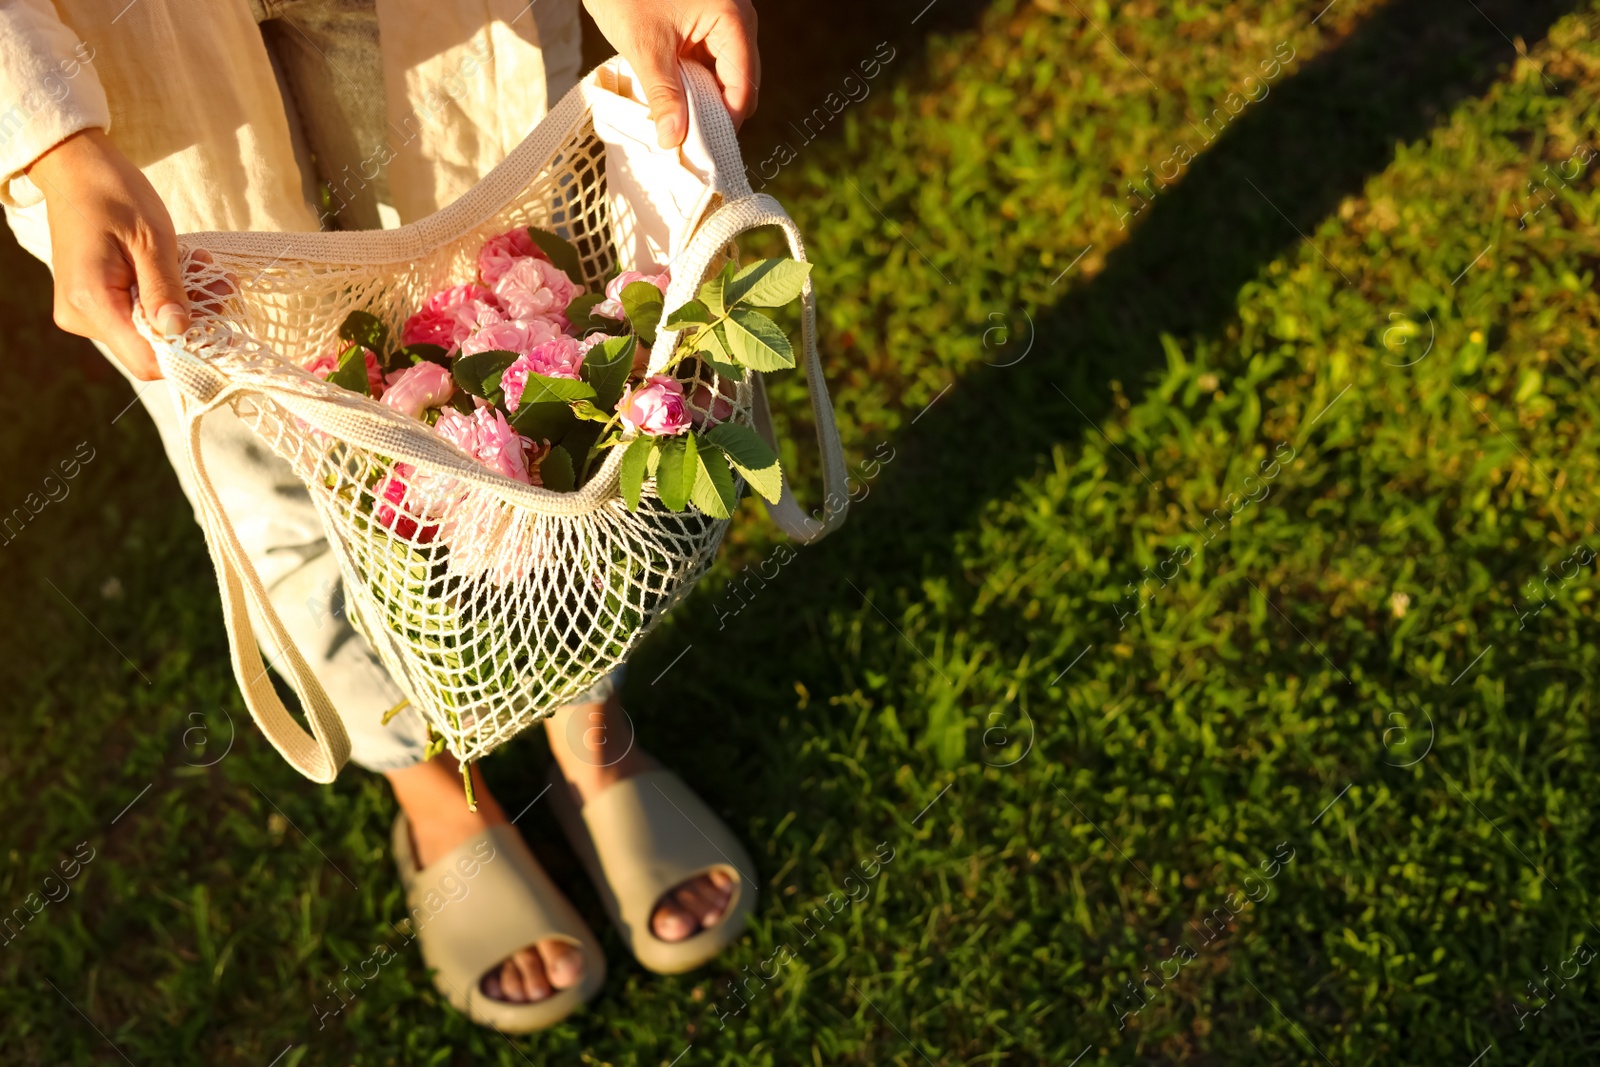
(1253, 194)
(1267, 181)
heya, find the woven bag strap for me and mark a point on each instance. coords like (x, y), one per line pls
(741, 211)
(712, 237)
(198, 389)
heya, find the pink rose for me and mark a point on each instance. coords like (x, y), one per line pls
(487, 437)
(559, 358)
(511, 335)
(655, 406)
(404, 505)
(611, 306)
(500, 254)
(328, 362)
(447, 317)
(416, 389)
(714, 407)
(586, 343)
(535, 288)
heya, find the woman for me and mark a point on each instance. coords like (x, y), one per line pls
(137, 120)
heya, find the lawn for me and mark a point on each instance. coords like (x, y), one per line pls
(1207, 673)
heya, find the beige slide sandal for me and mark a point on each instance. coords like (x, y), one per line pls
(478, 904)
(641, 837)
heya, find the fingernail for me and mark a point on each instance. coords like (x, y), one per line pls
(172, 319)
(669, 131)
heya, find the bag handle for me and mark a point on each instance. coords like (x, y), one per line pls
(743, 210)
(198, 389)
(714, 235)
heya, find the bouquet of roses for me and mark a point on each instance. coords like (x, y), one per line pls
(534, 378)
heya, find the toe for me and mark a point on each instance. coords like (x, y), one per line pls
(698, 902)
(510, 982)
(671, 921)
(719, 893)
(535, 985)
(563, 963)
(521, 978)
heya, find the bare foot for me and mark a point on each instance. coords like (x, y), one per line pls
(594, 746)
(431, 795)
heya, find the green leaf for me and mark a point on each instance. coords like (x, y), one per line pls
(363, 328)
(560, 251)
(751, 457)
(578, 441)
(543, 422)
(556, 471)
(713, 491)
(606, 367)
(352, 371)
(635, 462)
(769, 283)
(393, 362)
(693, 311)
(642, 303)
(676, 472)
(711, 293)
(714, 350)
(654, 462)
(479, 374)
(757, 342)
(580, 312)
(731, 371)
(543, 389)
(414, 354)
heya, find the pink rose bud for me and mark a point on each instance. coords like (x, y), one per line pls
(655, 406)
(416, 389)
(611, 306)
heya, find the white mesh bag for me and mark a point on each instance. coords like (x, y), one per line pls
(522, 598)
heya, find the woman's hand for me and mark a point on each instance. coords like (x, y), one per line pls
(109, 230)
(653, 34)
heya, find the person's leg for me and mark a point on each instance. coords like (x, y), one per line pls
(327, 52)
(431, 795)
(594, 746)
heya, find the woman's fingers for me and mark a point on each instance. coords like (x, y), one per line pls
(161, 290)
(115, 328)
(655, 35)
(92, 298)
(655, 61)
(109, 234)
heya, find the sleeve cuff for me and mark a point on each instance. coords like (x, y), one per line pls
(48, 77)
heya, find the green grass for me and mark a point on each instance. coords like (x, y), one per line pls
(1338, 672)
